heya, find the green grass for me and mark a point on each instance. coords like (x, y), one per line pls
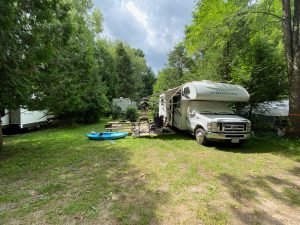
(57, 176)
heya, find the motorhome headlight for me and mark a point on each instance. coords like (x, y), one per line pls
(212, 126)
(248, 126)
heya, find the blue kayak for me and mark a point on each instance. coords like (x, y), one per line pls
(106, 135)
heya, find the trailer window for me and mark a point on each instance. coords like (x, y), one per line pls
(162, 101)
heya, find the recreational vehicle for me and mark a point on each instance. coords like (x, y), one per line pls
(201, 107)
(123, 103)
(272, 114)
(23, 118)
(5, 119)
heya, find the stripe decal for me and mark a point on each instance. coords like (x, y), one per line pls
(175, 110)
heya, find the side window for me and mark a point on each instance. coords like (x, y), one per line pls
(162, 101)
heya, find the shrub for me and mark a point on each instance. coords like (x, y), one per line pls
(131, 114)
(116, 112)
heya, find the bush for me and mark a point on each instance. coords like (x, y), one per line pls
(91, 116)
(116, 112)
(131, 114)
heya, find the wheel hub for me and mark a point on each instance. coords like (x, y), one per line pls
(199, 136)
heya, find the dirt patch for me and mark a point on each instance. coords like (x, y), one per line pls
(163, 188)
(262, 199)
(181, 214)
(268, 212)
(200, 189)
(6, 207)
(105, 217)
(204, 173)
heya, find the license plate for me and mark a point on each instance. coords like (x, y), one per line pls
(235, 140)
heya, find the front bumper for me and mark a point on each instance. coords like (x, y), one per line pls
(227, 136)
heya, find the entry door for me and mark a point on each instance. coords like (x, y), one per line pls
(177, 117)
(171, 112)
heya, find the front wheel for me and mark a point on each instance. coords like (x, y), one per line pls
(200, 136)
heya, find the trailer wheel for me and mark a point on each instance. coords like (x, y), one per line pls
(200, 136)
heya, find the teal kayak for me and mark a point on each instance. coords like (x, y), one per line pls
(106, 135)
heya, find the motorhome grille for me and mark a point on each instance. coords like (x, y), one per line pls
(233, 127)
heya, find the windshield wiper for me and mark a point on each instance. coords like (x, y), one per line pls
(206, 112)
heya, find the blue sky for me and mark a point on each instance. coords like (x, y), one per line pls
(154, 26)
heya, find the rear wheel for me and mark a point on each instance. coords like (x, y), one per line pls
(200, 136)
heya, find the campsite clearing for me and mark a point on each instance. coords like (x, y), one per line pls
(57, 176)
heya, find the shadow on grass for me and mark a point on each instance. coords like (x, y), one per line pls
(295, 171)
(289, 148)
(176, 136)
(286, 147)
(86, 182)
(251, 192)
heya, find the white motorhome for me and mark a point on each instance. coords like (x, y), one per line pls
(201, 107)
(23, 118)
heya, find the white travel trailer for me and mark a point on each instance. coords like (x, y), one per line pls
(123, 103)
(273, 109)
(5, 119)
(201, 108)
(274, 113)
(23, 118)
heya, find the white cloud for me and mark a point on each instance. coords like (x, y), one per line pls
(154, 26)
(142, 18)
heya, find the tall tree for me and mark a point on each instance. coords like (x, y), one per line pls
(178, 69)
(148, 81)
(25, 43)
(238, 41)
(107, 68)
(125, 72)
(291, 32)
(70, 84)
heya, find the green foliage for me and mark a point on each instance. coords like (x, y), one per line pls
(178, 70)
(52, 49)
(107, 69)
(125, 72)
(234, 42)
(263, 73)
(135, 78)
(116, 113)
(97, 20)
(26, 43)
(148, 79)
(70, 84)
(167, 78)
(131, 114)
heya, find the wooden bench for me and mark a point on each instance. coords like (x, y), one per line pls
(119, 126)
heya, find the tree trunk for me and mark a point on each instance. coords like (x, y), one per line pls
(292, 50)
(1, 136)
(294, 98)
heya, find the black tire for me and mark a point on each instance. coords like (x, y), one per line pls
(200, 136)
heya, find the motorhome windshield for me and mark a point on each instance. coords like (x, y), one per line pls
(209, 107)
